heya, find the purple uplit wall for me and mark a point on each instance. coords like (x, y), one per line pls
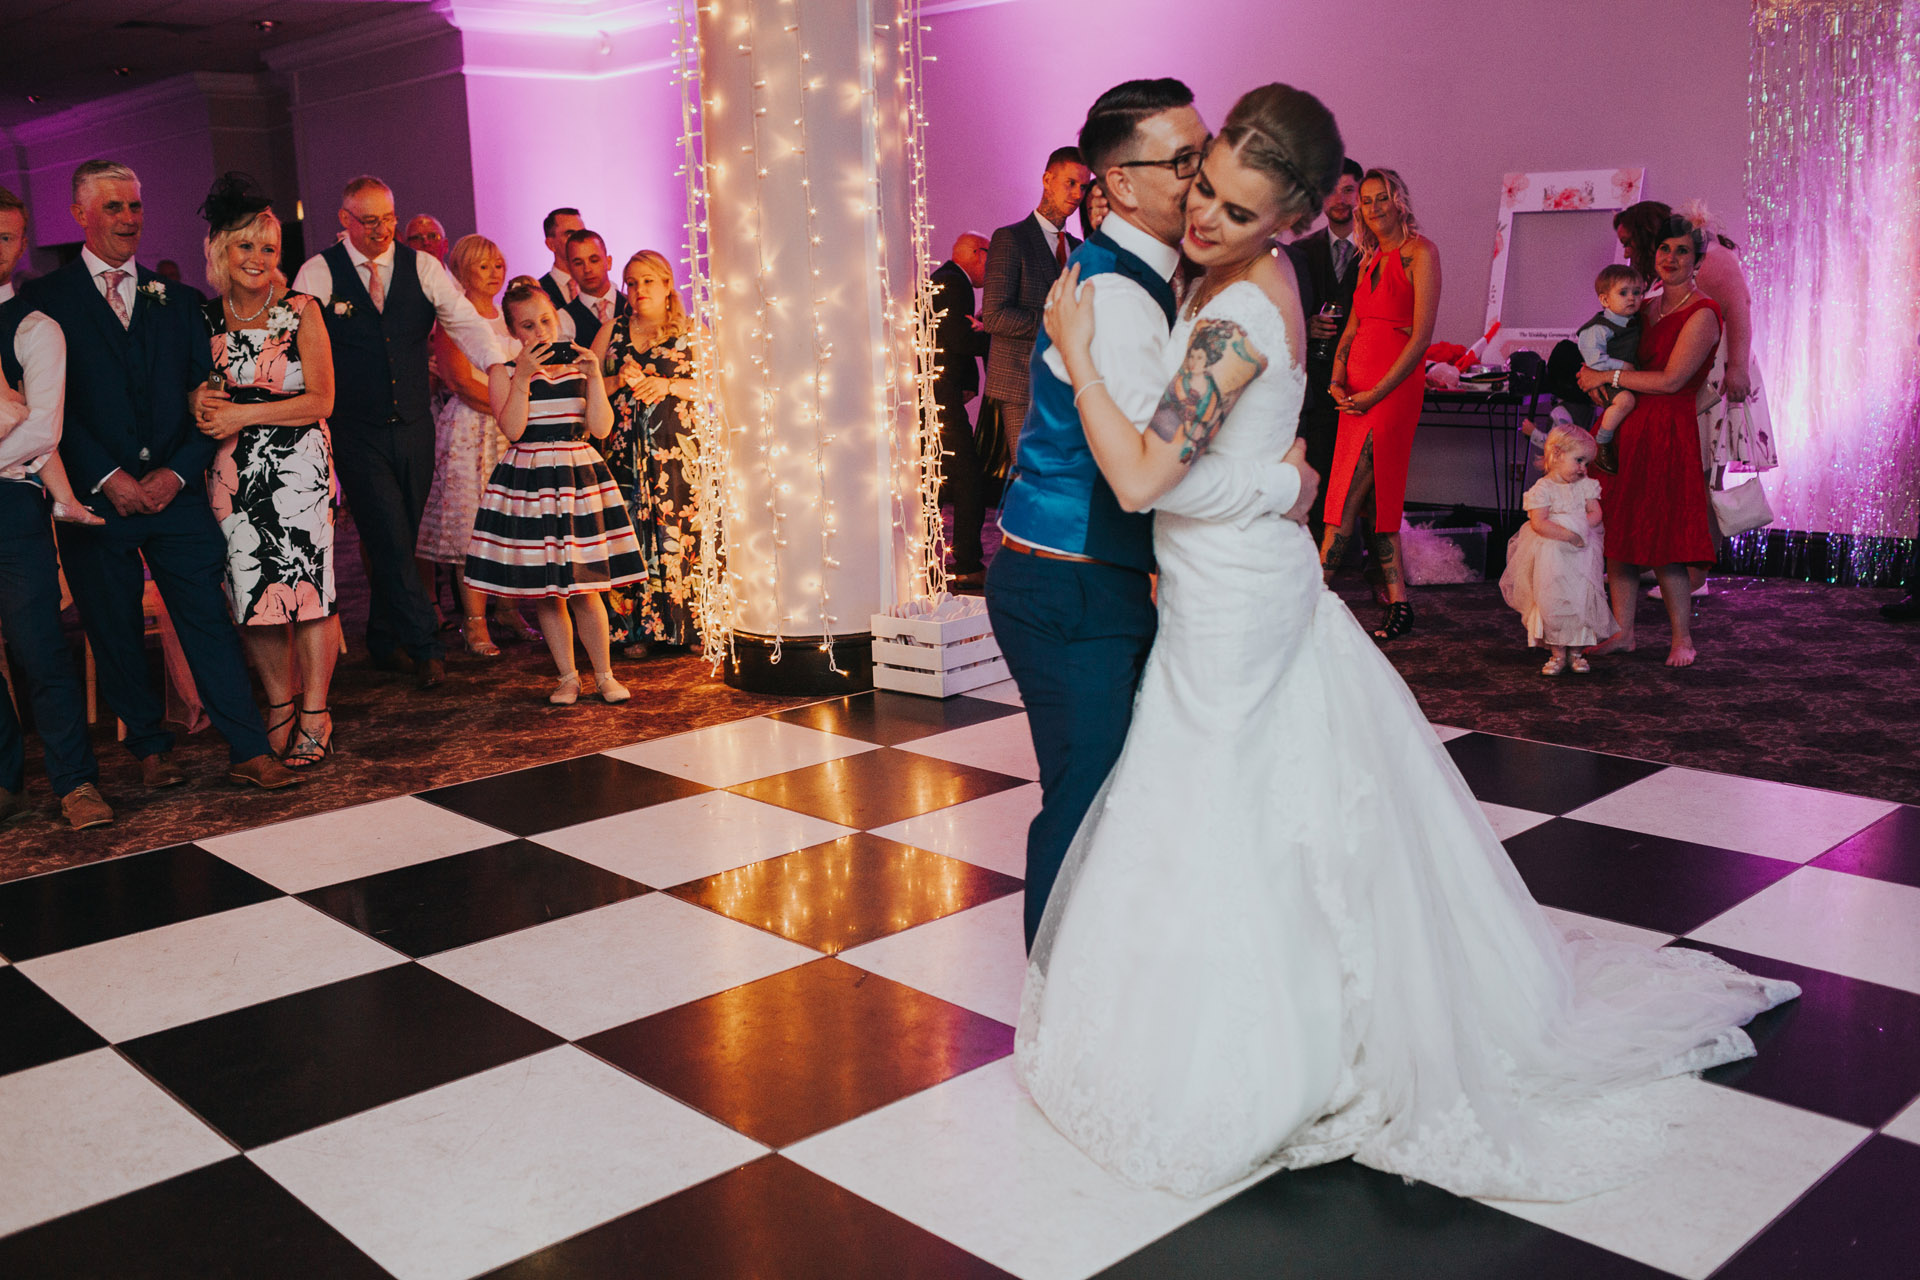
(1451, 101)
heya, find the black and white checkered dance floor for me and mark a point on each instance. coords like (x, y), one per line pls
(738, 1003)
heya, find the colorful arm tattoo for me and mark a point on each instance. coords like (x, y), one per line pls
(1219, 364)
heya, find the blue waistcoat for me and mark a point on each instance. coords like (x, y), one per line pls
(1058, 498)
(379, 357)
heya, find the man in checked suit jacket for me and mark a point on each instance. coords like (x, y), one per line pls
(137, 348)
(1023, 261)
(1327, 264)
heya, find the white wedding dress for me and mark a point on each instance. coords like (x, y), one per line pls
(1286, 933)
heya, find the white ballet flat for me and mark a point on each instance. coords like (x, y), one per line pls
(567, 692)
(611, 690)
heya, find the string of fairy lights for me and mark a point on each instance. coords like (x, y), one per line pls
(903, 409)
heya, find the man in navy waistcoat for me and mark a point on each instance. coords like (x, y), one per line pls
(1070, 592)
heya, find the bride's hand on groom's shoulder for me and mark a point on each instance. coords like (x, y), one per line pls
(1069, 314)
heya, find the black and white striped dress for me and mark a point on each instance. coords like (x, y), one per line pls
(552, 522)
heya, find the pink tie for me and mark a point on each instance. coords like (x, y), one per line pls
(114, 300)
(573, 290)
(601, 308)
(376, 290)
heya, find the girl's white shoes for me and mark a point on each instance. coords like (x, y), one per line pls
(572, 685)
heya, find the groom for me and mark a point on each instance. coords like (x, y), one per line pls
(1070, 596)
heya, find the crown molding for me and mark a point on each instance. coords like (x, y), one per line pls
(414, 23)
(556, 19)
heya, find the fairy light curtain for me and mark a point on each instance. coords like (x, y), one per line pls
(807, 234)
(1833, 182)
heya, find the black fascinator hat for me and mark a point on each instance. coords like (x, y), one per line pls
(233, 201)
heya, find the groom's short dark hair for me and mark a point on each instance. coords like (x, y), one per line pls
(1111, 121)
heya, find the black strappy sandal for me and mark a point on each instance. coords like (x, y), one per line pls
(1399, 622)
(281, 724)
(307, 750)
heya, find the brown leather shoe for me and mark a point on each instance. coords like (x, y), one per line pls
(11, 806)
(85, 808)
(157, 771)
(264, 772)
(428, 672)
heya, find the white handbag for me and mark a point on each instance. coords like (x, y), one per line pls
(1742, 508)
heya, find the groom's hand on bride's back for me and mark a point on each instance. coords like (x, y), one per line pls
(1309, 482)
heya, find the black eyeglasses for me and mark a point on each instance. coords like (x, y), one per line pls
(1184, 165)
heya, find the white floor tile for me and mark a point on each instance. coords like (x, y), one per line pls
(1447, 733)
(599, 969)
(1509, 822)
(692, 837)
(1772, 819)
(474, 1174)
(973, 1161)
(729, 754)
(328, 848)
(1570, 921)
(180, 973)
(988, 832)
(1850, 925)
(976, 958)
(1004, 745)
(1006, 691)
(1906, 1124)
(86, 1129)
(1736, 1161)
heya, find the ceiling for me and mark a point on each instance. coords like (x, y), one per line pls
(65, 52)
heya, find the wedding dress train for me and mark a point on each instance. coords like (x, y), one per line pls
(1286, 932)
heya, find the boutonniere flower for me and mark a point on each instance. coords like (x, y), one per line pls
(342, 308)
(156, 293)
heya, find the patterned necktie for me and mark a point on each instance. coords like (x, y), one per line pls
(376, 290)
(573, 290)
(1342, 258)
(602, 308)
(1060, 249)
(114, 300)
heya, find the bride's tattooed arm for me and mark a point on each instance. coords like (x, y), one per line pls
(1218, 366)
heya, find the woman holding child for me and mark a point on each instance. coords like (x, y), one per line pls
(1657, 512)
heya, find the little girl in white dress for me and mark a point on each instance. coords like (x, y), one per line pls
(1555, 573)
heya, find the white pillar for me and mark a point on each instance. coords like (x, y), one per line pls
(810, 248)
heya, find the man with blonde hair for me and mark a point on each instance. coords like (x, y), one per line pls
(137, 350)
(381, 301)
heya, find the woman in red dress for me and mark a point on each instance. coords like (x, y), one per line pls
(1656, 507)
(1394, 306)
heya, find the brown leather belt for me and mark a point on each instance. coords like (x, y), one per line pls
(1012, 543)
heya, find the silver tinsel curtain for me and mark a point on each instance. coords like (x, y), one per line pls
(1833, 182)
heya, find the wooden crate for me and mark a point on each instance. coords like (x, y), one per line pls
(936, 647)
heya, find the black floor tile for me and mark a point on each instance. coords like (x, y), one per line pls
(1846, 1048)
(548, 796)
(275, 1069)
(35, 1028)
(1650, 881)
(771, 1220)
(847, 891)
(470, 897)
(804, 1050)
(1535, 776)
(111, 899)
(1887, 850)
(228, 1221)
(1858, 1223)
(893, 718)
(1344, 1222)
(875, 788)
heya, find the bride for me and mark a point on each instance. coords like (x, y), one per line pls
(1285, 933)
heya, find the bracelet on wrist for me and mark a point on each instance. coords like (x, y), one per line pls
(1097, 382)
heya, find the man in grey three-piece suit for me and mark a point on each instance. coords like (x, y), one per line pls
(1023, 261)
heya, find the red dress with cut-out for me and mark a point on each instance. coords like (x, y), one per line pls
(1656, 507)
(1383, 309)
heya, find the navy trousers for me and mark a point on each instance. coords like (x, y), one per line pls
(42, 669)
(187, 556)
(1076, 638)
(385, 473)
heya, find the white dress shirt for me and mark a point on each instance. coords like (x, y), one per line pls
(128, 284)
(31, 436)
(468, 329)
(1130, 352)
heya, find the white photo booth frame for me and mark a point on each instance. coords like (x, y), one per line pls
(1567, 191)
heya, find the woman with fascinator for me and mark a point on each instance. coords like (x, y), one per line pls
(271, 484)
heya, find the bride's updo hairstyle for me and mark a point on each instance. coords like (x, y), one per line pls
(1289, 135)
